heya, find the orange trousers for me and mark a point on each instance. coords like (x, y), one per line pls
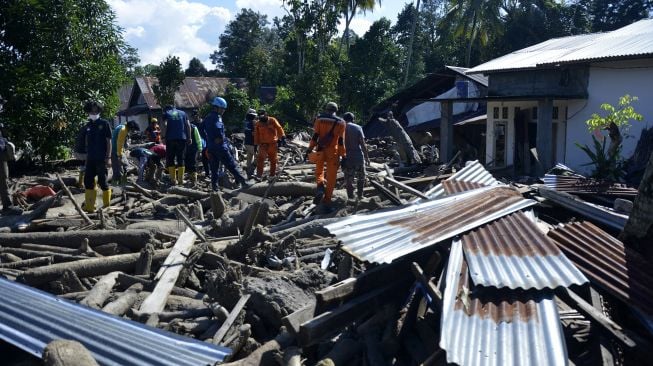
(266, 151)
(332, 164)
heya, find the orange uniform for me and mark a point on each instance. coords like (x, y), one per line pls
(266, 135)
(329, 137)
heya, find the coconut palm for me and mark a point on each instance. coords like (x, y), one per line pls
(349, 8)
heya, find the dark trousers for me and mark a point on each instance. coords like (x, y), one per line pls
(191, 160)
(96, 168)
(4, 184)
(223, 156)
(119, 168)
(205, 162)
(175, 152)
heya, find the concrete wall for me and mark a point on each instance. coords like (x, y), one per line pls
(609, 81)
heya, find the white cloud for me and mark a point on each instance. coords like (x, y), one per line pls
(358, 25)
(159, 28)
(271, 8)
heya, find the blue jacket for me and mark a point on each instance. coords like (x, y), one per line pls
(176, 122)
(214, 129)
(249, 132)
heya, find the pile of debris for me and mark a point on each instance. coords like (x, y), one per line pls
(435, 265)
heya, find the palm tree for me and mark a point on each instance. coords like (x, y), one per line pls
(474, 19)
(349, 9)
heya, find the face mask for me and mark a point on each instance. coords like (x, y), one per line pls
(93, 117)
(263, 118)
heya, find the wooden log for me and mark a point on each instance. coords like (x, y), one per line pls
(387, 193)
(182, 314)
(34, 262)
(144, 263)
(286, 189)
(87, 267)
(218, 206)
(63, 352)
(167, 275)
(78, 208)
(405, 187)
(133, 239)
(264, 355)
(101, 291)
(187, 192)
(125, 301)
(50, 248)
(197, 231)
(219, 335)
(71, 282)
(293, 321)
(8, 257)
(26, 253)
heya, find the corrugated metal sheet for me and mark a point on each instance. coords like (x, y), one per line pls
(30, 319)
(385, 236)
(486, 327)
(635, 40)
(192, 93)
(580, 186)
(512, 252)
(604, 259)
(598, 213)
(473, 173)
(483, 80)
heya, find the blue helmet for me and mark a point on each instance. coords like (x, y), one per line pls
(219, 102)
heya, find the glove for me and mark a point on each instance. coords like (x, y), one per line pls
(282, 141)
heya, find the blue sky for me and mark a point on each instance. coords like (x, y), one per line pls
(190, 28)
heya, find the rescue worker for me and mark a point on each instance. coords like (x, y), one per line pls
(267, 134)
(153, 131)
(407, 153)
(217, 144)
(205, 152)
(357, 157)
(149, 162)
(7, 153)
(176, 134)
(250, 148)
(192, 150)
(98, 156)
(80, 153)
(329, 141)
(119, 141)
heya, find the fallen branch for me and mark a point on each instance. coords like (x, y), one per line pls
(78, 208)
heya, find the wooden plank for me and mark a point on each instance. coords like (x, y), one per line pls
(387, 193)
(330, 322)
(293, 321)
(169, 272)
(406, 188)
(602, 342)
(219, 335)
(432, 290)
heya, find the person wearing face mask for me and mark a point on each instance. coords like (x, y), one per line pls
(98, 156)
(268, 133)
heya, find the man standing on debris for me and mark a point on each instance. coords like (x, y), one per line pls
(98, 156)
(217, 144)
(407, 153)
(176, 134)
(357, 157)
(250, 147)
(153, 132)
(149, 162)
(268, 133)
(119, 141)
(194, 148)
(7, 153)
(329, 138)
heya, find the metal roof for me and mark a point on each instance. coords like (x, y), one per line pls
(385, 236)
(598, 213)
(30, 319)
(192, 93)
(512, 252)
(635, 40)
(607, 262)
(481, 79)
(473, 173)
(581, 186)
(483, 326)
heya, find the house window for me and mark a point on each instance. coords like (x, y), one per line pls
(495, 113)
(555, 112)
(504, 113)
(534, 114)
(500, 144)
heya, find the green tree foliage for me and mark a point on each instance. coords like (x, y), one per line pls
(129, 60)
(147, 70)
(170, 76)
(237, 104)
(196, 68)
(53, 57)
(607, 15)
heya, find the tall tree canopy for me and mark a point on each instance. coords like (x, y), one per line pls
(196, 68)
(170, 77)
(53, 57)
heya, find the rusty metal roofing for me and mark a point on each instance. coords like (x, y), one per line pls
(604, 259)
(382, 237)
(484, 326)
(512, 252)
(473, 175)
(31, 318)
(192, 93)
(598, 213)
(582, 186)
(632, 41)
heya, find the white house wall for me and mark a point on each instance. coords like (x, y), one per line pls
(608, 82)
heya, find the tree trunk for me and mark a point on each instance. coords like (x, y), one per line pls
(134, 239)
(412, 40)
(468, 56)
(62, 352)
(638, 232)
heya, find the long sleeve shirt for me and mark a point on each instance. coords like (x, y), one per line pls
(268, 132)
